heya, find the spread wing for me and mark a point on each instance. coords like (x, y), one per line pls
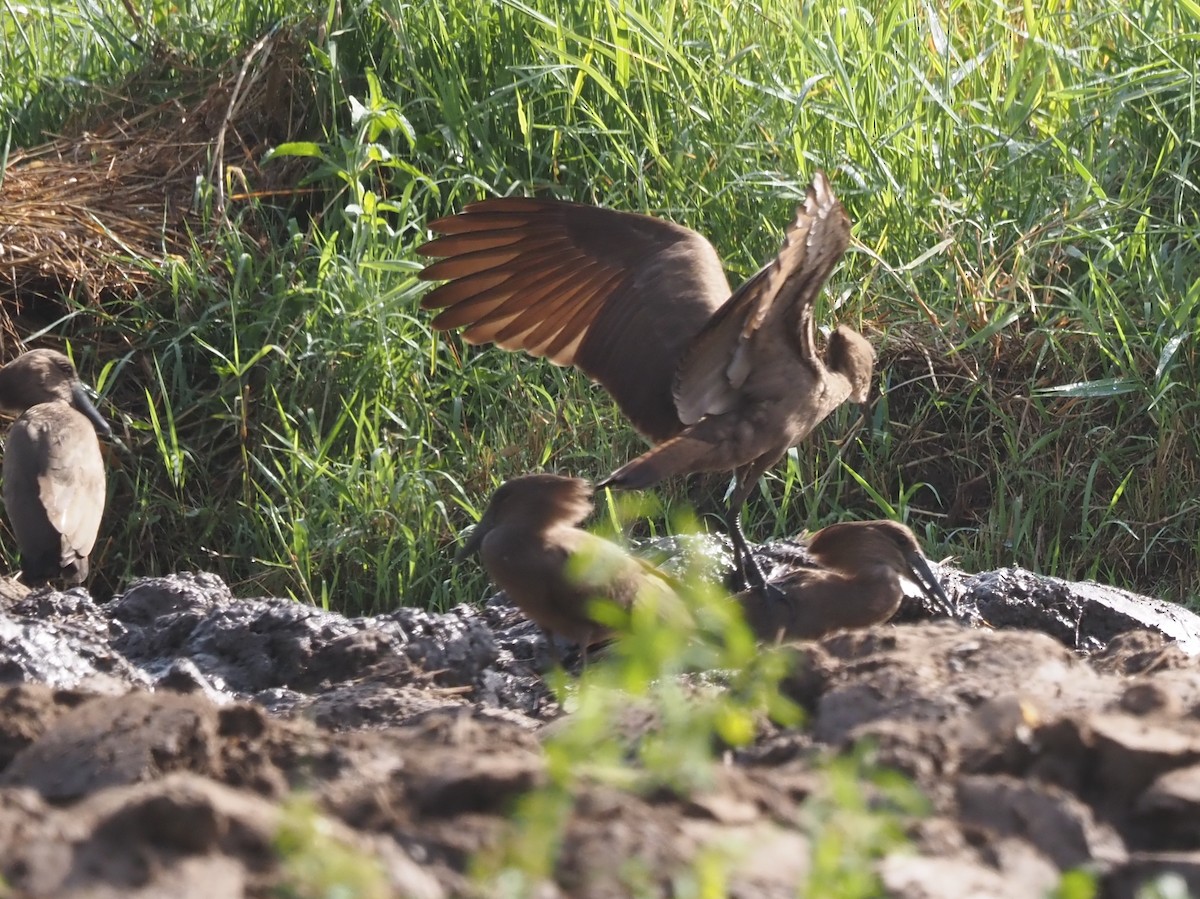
(775, 303)
(616, 294)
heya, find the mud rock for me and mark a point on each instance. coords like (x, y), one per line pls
(27, 711)
(1170, 808)
(925, 877)
(277, 650)
(377, 700)
(60, 639)
(998, 734)
(1118, 756)
(1082, 615)
(458, 643)
(153, 745)
(873, 675)
(762, 859)
(116, 741)
(241, 646)
(1174, 873)
(1057, 823)
(182, 836)
(1142, 652)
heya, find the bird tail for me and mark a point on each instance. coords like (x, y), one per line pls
(679, 455)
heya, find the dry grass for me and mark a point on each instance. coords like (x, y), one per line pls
(87, 217)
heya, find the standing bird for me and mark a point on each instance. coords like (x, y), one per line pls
(847, 577)
(529, 541)
(718, 382)
(53, 473)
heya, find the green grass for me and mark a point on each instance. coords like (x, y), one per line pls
(1028, 261)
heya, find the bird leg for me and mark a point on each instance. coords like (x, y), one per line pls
(556, 656)
(749, 571)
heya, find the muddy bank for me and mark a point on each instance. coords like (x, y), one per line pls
(160, 745)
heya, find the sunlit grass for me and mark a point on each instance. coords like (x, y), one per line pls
(1027, 261)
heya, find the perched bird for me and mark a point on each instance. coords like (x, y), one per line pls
(529, 542)
(718, 382)
(849, 577)
(53, 473)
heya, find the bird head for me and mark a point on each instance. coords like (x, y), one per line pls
(852, 356)
(46, 376)
(853, 544)
(533, 502)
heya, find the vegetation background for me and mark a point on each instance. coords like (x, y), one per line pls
(1024, 185)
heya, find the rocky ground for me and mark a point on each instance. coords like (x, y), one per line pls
(180, 742)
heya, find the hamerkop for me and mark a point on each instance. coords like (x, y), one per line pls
(719, 382)
(850, 578)
(53, 472)
(529, 541)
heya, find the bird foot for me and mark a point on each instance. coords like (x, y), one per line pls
(947, 607)
(772, 593)
(749, 575)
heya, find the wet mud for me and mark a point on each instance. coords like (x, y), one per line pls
(159, 745)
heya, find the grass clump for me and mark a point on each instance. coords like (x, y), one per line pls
(1023, 188)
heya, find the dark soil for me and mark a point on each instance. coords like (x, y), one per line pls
(159, 744)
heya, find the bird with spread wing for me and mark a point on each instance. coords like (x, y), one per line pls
(717, 381)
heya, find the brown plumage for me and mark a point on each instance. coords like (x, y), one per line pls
(532, 548)
(54, 484)
(850, 578)
(719, 382)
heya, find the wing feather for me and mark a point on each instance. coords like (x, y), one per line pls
(778, 298)
(618, 295)
(496, 295)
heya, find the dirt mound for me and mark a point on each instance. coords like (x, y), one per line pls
(178, 741)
